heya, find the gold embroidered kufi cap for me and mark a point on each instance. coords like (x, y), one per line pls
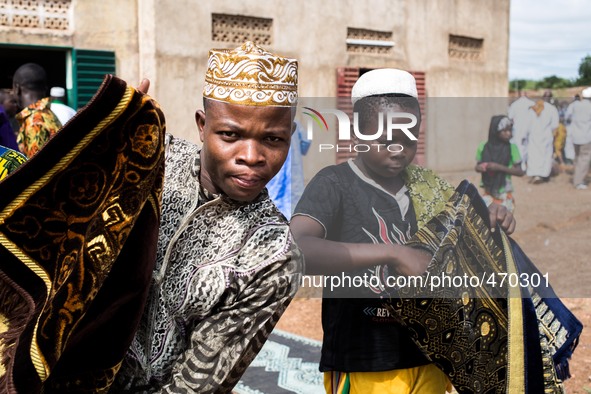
(249, 75)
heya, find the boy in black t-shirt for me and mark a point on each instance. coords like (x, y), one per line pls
(354, 219)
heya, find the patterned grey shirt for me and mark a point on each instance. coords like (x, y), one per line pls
(225, 272)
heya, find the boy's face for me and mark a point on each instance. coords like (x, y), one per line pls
(505, 134)
(384, 163)
(243, 147)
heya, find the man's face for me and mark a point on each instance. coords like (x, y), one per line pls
(17, 91)
(10, 104)
(243, 147)
(547, 97)
(384, 163)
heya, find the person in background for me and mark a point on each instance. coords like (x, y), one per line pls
(518, 113)
(286, 188)
(559, 143)
(569, 147)
(579, 114)
(58, 105)
(8, 109)
(497, 159)
(37, 122)
(541, 125)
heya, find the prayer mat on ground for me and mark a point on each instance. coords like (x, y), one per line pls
(78, 234)
(487, 336)
(286, 364)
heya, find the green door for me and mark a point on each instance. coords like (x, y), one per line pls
(88, 71)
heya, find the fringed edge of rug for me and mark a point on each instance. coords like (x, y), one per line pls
(561, 360)
(17, 309)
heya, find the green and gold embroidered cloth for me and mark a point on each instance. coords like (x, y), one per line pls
(78, 232)
(10, 160)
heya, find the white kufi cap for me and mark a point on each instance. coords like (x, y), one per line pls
(384, 81)
(57, 92)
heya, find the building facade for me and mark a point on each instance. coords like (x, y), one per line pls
(457, 49)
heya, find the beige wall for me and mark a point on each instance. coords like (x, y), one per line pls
(109, 25)
(95, 26)
(168, 41)
(455, 127)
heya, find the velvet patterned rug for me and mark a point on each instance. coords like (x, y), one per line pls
(78, 233)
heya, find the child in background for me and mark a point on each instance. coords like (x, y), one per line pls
(498, 159)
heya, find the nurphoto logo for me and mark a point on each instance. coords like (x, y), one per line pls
(344, 129)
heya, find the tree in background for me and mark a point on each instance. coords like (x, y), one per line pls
(554, 82)
(585, 71)
(516, 85)
(551, 82)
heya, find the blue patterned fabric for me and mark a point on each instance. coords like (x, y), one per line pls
(286, 188)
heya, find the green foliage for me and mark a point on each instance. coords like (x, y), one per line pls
(585, 71)
(522, 84)
(551, 82)
(554, 82)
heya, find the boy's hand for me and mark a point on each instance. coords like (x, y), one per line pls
(500, 215)
(481, 167)
(409, 261)
(492, 166)
(144, 86)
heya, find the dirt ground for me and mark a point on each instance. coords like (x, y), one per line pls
(554, 230)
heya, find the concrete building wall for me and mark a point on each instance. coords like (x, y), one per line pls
(109, 25)
(105, 24)
(456, 126)
(168, 42)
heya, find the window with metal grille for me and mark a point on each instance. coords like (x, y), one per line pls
(369, 41)
(465, 48)
(239, 28)
(53, 15)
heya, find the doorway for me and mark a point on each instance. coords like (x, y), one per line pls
(53, 60)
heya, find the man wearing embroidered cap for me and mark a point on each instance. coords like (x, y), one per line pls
(354, 219)
(226, 267)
